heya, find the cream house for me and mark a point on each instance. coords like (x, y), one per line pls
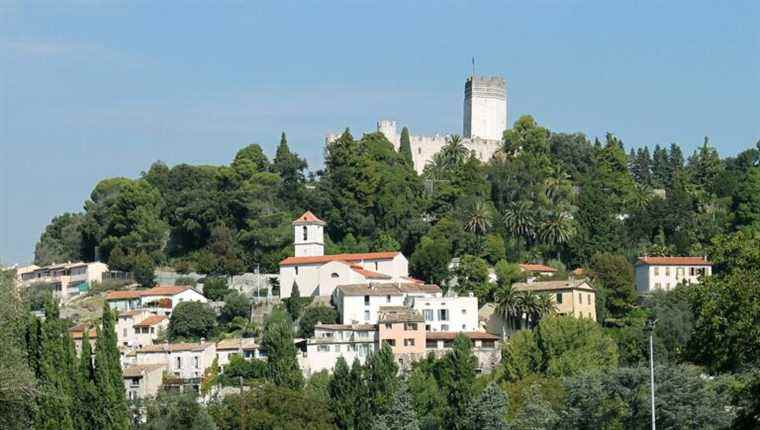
(316, 274)
(246, 348)
(125, 323)
(158, 300)
(186, 361)
(360, 303)
(664, 273)
(141, 381)
(68, 279)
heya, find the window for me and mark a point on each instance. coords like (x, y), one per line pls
(124, 332)
(178, 363)
(387, 299)
(588, 298)
(132, 395)
(464, 311)
(428, 314)
(337, 348)
(196, 362)
(366, 300)
(667, 271)
(656, 271)
(487, 344)
(443, 314)
(323, 348)
(679, 272)
(559, 298)
(305, 233)
(419, 150)
(580, 298)
(375, 265)
(444, 327)
(657, 285)
(388, 326)
(366, 315)
(296, 270)
(691, 271)
(431, 344)
(390, 342)
(334, 275)
(363, 335)
(410, 326)
(408, 342)
(352, 347)
(464, 327)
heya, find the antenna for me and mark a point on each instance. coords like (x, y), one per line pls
(473, 67)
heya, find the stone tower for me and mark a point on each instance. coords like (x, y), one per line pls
(485, 107)
(389, 129)
(309, 238)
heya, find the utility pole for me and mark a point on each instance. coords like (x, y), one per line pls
(650, 328)
(242, 406)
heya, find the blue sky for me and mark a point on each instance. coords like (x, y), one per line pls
(93, 89)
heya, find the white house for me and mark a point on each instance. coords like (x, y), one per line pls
(447, 313)
(243, 347)
(317, 274)
(664, 273)
(125, 323)
(183, 360)
(147, 330)
(159, 300)
(330, 341)
(360, 303)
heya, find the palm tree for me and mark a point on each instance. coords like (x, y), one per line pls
(557, 229)
(454, 153)
(546, 306)
(478, 218)
(508, 305)
(519, 221)
(529, 306)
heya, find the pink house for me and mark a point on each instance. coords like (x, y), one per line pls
(404, 330)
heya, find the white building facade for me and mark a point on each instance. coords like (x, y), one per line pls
(68, 279)
(444, 314)
(360, 303)
(664, 273)
(331, 341)
(182, 360)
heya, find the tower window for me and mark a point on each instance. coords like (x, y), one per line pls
(305, 233)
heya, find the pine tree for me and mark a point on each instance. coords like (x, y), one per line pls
(381, 370)
(401, 415)
(282, 364)
(458, 381)
(660, 167)
(291, 168)
(489, 410)
(405, 147)
(676, 160)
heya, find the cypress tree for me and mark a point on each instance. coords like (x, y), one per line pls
(458, 381)
(54, 401)
(282, 364)
(660, 167)
(405, 147)
(85, 395)
(113, 411)
(361, 397)
(381, 370)
(342, 395)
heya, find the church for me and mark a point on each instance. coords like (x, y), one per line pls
(316, 274)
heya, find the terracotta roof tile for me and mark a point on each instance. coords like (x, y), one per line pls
(538, 287)
(339, 257)
(308, 218)
(123, 295)
(368, 273)
(151, 321)
(674, 261)
(175, 347)
(533, 267)
(451, 335)
(165, 290)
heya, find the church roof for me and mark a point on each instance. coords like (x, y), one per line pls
(350, 258)
(308, 218)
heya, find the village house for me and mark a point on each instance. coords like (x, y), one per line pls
(149, 329)
(403, 329)
(68, 279)
(360, 303)
(664, 273)
(448, 313)
(330, 341)
(142, 380)
(185, 361)
(485, 346)
(316, 274)
(158, 300)
(77, 334)
(246, 348)
(125, 332)
(534, 271)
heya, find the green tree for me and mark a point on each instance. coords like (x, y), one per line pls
(236, 304)
(472, 277)
(86, 391)
(177, 411)
(61, 241)
(489, 410)
(282, 364)
(249, 161)
(380, 374)
(614, 274)
(143, 270)
(191, 321)
(291, 168)
(215, 288)
(429, 401)
(431, 259)
(569, 345)
(112, 409)
(405, 147)
(342, 395)
(401, 415)
(313, 315)
(457, 382)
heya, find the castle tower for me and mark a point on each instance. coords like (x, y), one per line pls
(389, 129)
(308, 233)
(485, 107)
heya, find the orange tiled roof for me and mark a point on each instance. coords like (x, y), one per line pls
(151, 320)
(308, 218)
(674, 261)
(165, 290)
(451, 335)
(121, 295)
(533, 267)
(368, 273)
(339, 257)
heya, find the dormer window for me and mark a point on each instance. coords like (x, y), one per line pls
(334, 275)
(305, 233)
